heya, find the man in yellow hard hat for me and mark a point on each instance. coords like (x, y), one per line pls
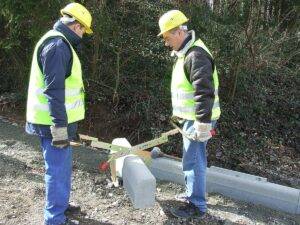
(55, 104)
(195, 102)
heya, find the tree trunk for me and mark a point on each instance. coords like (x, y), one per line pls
(210, 4)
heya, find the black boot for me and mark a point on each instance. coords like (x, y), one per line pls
(70, 222)
(188, 211)
(72, 209)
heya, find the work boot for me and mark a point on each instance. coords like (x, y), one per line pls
(73, 209)
(188, 211)
(70, 222)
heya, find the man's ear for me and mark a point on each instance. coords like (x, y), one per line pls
(76, 25)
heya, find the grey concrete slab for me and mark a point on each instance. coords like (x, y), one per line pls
(298, 208)
(138, 182)
(236, 173)
(168, 170)
(272, 195)
(237, 185)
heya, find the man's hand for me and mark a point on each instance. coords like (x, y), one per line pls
(202, 131)
(59, 137)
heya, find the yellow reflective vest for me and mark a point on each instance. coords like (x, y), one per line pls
(37, 104)
(182, 90)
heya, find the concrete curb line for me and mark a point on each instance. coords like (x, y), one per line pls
(240, 186)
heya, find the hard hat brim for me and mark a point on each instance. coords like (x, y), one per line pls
(88, 30)
(162, 32)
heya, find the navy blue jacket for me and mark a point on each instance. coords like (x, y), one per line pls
(199, 68)
(55, 61)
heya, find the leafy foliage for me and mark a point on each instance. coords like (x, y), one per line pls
(127, 69)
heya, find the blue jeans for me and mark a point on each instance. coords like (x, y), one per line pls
(58, 170)
(194, 163)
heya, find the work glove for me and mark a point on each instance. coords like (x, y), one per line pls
(202, 131)
(60, 137)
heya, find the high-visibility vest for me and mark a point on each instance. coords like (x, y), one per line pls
(37, 104)
(182, 90)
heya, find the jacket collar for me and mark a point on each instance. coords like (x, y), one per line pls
(73, 38)
(183, 49)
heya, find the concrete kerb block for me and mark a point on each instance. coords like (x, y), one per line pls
(298, 209)
(268, 194)
(168, 170)
(138, 182)
(240, 186)
(236, 174)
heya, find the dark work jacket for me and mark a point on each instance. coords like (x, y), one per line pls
(199, 68)
(55, 61)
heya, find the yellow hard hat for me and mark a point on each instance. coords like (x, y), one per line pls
(80, 13)
(170, 20)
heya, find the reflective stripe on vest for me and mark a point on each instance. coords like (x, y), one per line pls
(68, 93)
(45, 107)
(184, 109)
(38, 111)
(186, 95)
(182, 90)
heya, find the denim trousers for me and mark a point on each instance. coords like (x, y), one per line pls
(194, 163)
(58, 170)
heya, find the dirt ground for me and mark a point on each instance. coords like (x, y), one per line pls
(22, 191)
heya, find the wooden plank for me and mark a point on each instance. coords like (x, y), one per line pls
(87, 138)
(75, 144)
(144, 154)
(171, 132)
(107, 146)
(181, 131)
(150, 144)
(113, 171)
